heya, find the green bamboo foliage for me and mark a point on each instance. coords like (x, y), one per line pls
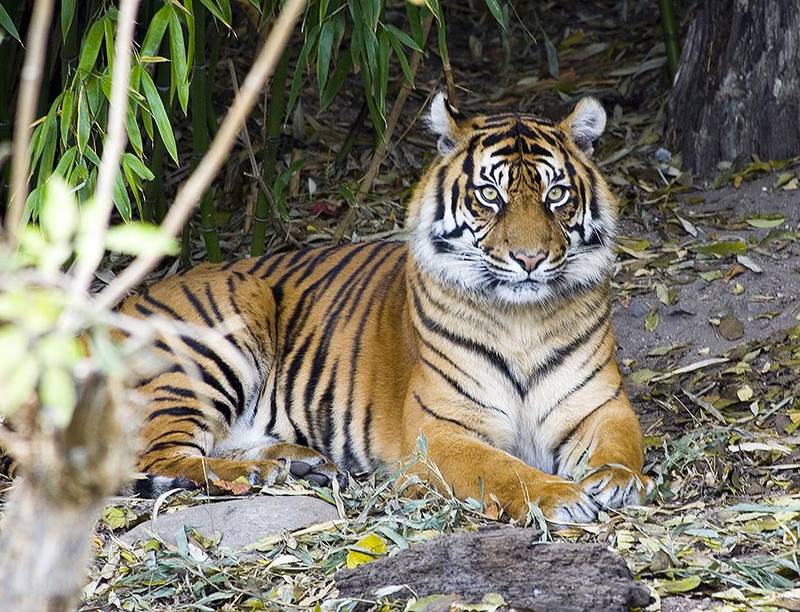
(169, 76)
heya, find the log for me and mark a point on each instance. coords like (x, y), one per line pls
(508, 561)
(737, 91)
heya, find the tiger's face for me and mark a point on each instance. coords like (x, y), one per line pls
(514, 210)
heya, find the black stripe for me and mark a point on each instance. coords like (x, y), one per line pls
(440, 176)
(574, 429)
(560, 354)
(213, 302)
(218, 405)
(175, 411)
(197, 305)
(291, 382)
(457, 387)
(230, 376)
(171, 444)
(366, 434)
(232, 296)
(436, 415)
(161, 306)
(586, 380)
(427, 343)
(494, 358)
(326, 405)
(380, 286)
(258, 262)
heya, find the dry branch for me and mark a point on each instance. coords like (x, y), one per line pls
(26, 108)
(192, 190)
(92, 252)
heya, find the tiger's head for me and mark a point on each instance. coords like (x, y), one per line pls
(513, 210)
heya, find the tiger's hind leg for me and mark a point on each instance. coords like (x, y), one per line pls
(200, 411)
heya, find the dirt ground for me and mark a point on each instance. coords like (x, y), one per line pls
(763, 301)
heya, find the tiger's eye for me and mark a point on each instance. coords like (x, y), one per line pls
(555, 194)
(489, 193)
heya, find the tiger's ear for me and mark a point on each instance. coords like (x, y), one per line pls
(444, 121)
(585, 124)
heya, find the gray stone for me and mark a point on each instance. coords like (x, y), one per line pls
(241, 521)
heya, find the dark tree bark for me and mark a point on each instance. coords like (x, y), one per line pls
(737, 91)
(556, 577)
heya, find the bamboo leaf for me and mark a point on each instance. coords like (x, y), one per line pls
(155, 32)
(179, 65)
(109, 31)
(137, 166)
(91, 48)
(66, 115)
(8, 24)
(121, 200)
(497, 13)
(140, 238)
(64, 167)
(294, 93)
(343, 66)
(218, 12)
(67, 15)
(403, 37)
(84, 121)
(134, 134)
(159, 115)
(401, 57)
(49, 141)
(324, 50)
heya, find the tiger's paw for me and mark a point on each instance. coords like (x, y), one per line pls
(615, 487)
(559, 500)
(322, 474)
(308, 464)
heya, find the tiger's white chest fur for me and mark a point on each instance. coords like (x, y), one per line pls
(537, 395)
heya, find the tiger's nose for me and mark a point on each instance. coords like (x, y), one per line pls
(528, 261)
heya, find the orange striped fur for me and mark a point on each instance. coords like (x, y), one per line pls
(488, 331)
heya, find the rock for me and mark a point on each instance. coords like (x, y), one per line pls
(508, 561)
(240, 521)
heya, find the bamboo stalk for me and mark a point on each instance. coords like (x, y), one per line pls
(671, 42)
(383, 144)
(275, 114)
(201, 178)
(155, 200)
(26, 108)
(200, 99)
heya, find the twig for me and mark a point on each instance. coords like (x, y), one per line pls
(383, 145)
(201, 178)
(30, 79)
(93, 247)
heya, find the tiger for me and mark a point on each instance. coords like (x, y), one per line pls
(486, 332)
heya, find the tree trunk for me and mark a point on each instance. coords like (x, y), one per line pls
(737, 91)
(45, 541)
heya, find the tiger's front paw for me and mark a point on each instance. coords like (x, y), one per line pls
(559, 500)
(615, 487)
